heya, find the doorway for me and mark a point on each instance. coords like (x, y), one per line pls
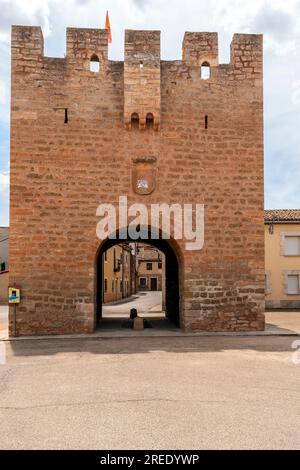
(168, 286)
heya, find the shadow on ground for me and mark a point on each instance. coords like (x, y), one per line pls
(145, 345)
(160, 338)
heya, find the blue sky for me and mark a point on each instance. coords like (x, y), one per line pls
(278, 20)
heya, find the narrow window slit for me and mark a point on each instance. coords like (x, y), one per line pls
(66, 116)
(149, 120)
(135, 121)
(206, 121)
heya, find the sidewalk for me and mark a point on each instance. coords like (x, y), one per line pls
(277, 324)
(3, 321)
(120, 301)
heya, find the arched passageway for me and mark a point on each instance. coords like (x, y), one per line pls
(171, 277)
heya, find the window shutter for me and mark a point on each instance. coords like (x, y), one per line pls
(293, 284)
(292, 245)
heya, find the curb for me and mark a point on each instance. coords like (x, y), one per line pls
(131, 334)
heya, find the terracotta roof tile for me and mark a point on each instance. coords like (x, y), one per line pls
(282, 215)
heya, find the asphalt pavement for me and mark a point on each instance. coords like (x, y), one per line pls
(153, 393)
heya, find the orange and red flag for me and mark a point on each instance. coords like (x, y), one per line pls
(107, 26)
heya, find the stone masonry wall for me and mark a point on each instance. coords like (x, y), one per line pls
(61, 171)
(142, 77)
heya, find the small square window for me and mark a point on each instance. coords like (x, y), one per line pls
(149, 266)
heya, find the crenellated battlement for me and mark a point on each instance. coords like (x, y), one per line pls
(142, 67)
(142, 79)
(27, 41)
(82, 43)
(197, 47)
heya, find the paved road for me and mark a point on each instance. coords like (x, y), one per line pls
(157, 393)
(144, 302)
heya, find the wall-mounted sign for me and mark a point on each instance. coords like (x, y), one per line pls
(14, 295)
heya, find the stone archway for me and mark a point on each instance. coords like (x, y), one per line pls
(172, 276)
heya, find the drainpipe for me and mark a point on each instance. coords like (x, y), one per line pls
(123, 266)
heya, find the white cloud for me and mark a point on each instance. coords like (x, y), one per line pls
(278, 20)
(296, 92)
(29, 12)
(141, 3)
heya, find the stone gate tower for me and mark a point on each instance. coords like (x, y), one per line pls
(79, 138)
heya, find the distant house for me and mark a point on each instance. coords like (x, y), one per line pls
(150, 263)
(4, 264)
(282, 259)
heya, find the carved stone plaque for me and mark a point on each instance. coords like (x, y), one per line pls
(144, 175)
